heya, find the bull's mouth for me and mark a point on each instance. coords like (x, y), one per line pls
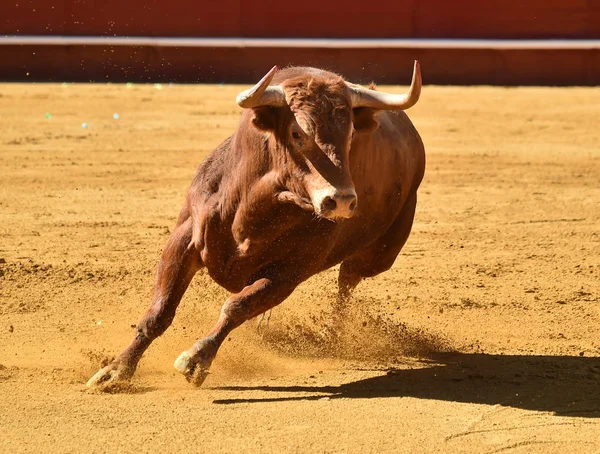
(330, 215)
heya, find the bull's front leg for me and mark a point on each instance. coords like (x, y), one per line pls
(252, 301)
(180, 261)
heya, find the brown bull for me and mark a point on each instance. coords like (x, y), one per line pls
(319, 172)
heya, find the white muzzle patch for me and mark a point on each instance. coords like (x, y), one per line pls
(332, 203)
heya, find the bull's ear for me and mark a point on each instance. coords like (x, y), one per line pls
(363, 119)
(264, 118)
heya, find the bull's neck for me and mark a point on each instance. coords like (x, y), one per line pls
(246, 162)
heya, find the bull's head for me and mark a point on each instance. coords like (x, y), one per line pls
(313, 116)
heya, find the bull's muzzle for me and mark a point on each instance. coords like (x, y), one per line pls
(335, 203)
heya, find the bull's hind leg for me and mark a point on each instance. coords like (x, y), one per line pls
(379, 257)
(179, 262)
(252, 301)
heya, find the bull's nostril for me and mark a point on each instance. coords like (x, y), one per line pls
(328, 204)
(352, 206)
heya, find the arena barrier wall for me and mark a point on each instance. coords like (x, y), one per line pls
(538, 42)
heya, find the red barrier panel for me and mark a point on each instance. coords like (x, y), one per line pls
(514, 19)
(470, 19)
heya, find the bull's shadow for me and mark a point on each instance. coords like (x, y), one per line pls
(564, 385)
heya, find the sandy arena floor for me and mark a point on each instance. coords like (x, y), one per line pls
(483, 338)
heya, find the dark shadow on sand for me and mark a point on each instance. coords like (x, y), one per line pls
(563, 385)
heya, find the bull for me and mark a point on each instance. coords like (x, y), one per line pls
(319, 172)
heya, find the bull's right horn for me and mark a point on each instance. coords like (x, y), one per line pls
(363, 97)
(262, 94)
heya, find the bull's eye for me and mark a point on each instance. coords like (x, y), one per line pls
(295, 135)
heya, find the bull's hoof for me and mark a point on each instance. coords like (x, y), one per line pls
(111, 375)
(192, 370)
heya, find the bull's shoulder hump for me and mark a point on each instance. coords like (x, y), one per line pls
(212, 168)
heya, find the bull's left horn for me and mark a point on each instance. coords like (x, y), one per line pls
(261, 94)
(363, 97)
